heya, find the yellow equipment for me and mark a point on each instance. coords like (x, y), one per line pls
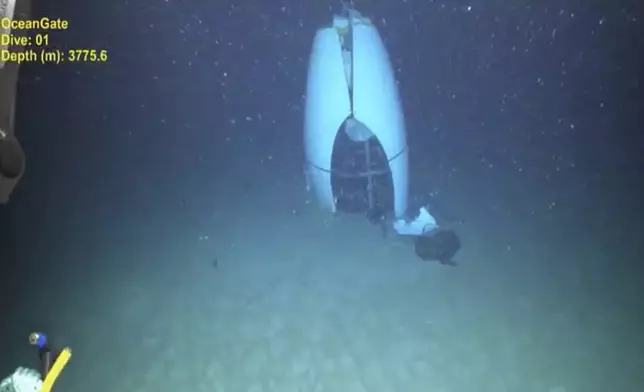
(52, 364)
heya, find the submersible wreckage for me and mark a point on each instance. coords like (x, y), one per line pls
(354, 133)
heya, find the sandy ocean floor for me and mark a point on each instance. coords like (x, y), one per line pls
(282, 297)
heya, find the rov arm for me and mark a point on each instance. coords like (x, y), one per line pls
(12, 157)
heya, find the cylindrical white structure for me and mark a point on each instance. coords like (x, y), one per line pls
(354, 76)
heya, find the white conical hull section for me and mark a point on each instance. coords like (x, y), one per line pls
(376, 104)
